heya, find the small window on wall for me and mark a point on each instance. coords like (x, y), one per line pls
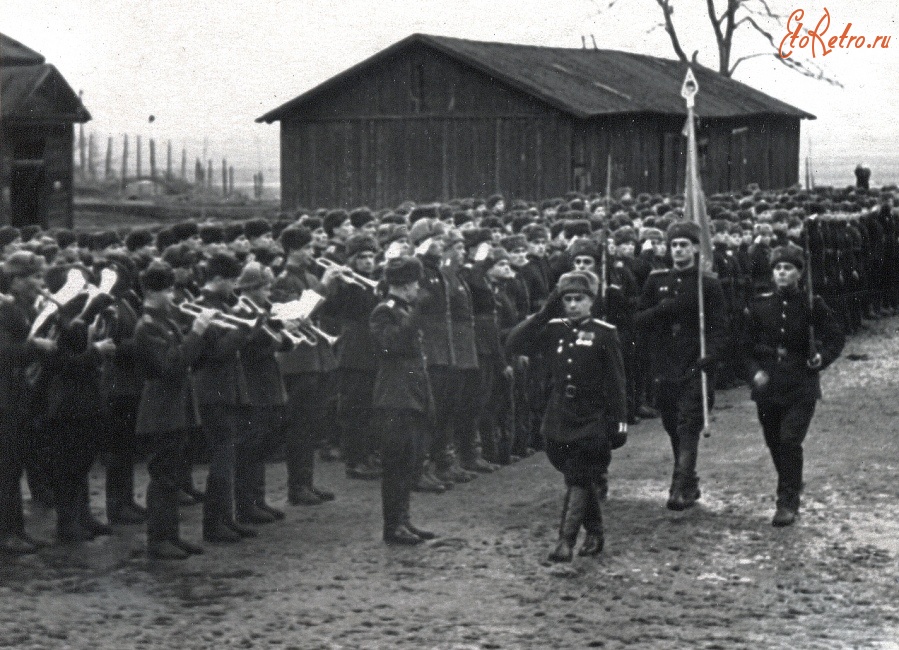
(582, 179)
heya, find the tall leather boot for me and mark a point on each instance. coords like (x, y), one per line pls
(215, 516)
(158, 517)
(69, 529)
(594, 540)
(572, 517)
(246, 509)
(163, 542)
(393, 503)
(685, 485)
(257, 479)
(173, 526)
(409, 481)
(789, 485)
(120, 506)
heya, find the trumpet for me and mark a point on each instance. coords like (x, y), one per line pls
(220, 319)
(348, 274)
(296, 313)
(305, 334)
(320, 333)
(297, 337)
(246, 304)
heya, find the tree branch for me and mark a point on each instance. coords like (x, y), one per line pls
(748, 56)
(759, 29)
(667, 10)
(768, 11)
(716, 22)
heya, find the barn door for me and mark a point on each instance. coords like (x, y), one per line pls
(738, 159)
(28, 180)
(674, 162)
(26, 193)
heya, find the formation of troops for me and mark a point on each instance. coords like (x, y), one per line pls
(423, 346)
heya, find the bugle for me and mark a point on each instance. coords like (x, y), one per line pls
(298, 312)
(297, 337)
(348, 274)
(246, 304)
(318, 332)
(192, 309)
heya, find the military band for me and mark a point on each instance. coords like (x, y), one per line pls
(426, 345)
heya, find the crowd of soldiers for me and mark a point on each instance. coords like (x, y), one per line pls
(163, 343)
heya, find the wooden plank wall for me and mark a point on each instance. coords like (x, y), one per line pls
(422, 126)
(384, 162)
(60, 169)
(419, 125)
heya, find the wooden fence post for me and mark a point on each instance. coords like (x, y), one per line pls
(125, 163)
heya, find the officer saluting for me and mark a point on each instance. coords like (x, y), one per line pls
(784, 362)
(587, 411)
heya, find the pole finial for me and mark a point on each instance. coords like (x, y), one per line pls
(690, 88)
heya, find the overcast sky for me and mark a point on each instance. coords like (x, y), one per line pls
(207, 70)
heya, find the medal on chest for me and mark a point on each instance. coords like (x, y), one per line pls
(585, 338)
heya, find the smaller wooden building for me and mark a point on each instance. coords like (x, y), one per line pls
(432, 118)
(38, 111)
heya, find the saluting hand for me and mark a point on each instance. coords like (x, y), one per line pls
(553, 305)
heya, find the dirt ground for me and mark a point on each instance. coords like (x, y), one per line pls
(716, 576)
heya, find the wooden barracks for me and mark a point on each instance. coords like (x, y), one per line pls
(38, 110)
(433, 117)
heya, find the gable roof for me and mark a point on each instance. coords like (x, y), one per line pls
(39, 92)
(12, 52)
(582, 82)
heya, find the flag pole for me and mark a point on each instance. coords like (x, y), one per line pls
(605, 233)
(694, 198)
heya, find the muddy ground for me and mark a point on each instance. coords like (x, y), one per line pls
(717, 576)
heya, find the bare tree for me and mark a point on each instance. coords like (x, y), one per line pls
(755, 18)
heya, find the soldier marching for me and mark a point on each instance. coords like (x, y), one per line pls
(239, 343)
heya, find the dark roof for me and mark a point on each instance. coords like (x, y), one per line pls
(12, 52)
(38, 92)
(583, 82)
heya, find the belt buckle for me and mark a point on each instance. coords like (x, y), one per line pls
(570, 391)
